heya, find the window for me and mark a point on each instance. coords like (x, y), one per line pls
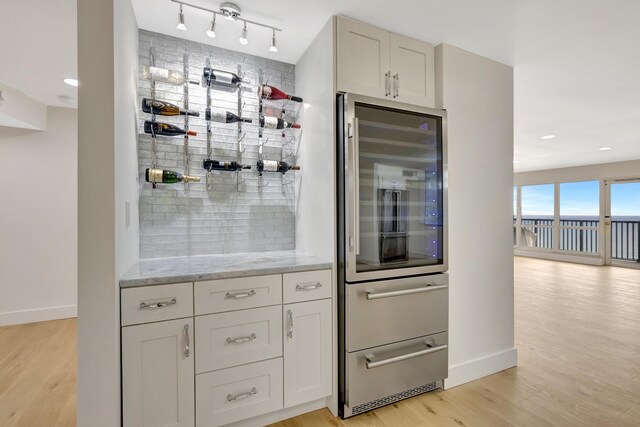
(579, 216)
(537, 205)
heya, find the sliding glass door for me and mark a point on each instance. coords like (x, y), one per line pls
(623, 222)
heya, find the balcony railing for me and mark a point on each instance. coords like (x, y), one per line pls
(582, 236)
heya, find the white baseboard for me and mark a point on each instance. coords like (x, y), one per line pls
(282, 414)
(563, 257)
(38, 315)
(481, 367)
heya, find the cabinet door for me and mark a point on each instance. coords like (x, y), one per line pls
(307, 351)
(158, 374)
(363, 59)
(412, 71)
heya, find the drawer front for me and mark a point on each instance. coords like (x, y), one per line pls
(238, 337)
(380, 372)
(306, 286)
(388, 311)
(235, 394)
(154, 303)
(217, 296)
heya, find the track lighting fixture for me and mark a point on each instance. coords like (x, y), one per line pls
(273, 47)
(211, 32)
(230, 11)
(243, 36)
(181, 25)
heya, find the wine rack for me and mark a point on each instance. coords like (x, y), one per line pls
(289, 137)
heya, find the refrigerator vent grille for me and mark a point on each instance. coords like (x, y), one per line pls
(392, 398)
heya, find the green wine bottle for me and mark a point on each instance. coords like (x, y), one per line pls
(164, 176)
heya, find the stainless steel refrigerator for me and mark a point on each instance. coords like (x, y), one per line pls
(392, 251)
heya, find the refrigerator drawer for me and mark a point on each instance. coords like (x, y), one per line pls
(379, 313)
(378, 376)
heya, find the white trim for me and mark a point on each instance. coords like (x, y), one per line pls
(481, 367)
(38, 315)
(282, 414)
(590, 259)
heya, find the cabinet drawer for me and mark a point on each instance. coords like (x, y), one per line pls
(154, 303)
(377, 373)
(238, 393)
(216, 296)
(238, 337)
(306, 286)
(381, 312)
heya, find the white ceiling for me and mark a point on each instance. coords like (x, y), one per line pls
(38, 48)
(577, 62)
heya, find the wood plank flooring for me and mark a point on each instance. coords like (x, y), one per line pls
(578, 340)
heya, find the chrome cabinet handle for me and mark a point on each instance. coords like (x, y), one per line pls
(186, 347)
(240, 396)
(290, 323)
(427, 288)
(376, 364)
(396, 85)
(309, 287)
(146, 305)
(239, 295)
(387, 83)
(241, 339)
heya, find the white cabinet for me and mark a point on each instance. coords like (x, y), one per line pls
(307, 351)
(158, 374)
(363, 58)
(375, 62)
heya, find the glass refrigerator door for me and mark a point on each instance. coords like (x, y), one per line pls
(399, 167)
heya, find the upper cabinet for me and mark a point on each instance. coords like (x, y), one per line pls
(374, 62)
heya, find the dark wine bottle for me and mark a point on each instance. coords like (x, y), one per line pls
(275, 166)
(165, 129)
(223, 116)
(212, 76)
(271, 92)
(269, 122)
(164, 176)
(209, 164)
(153, 106)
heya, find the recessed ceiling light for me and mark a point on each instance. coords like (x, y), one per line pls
(71, 82)
(548, 137)
(604, 148)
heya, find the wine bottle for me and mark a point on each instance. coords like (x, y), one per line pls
(163, 75)
(165, 129)
(275, 166)
(269, 122)
(213, 76)
(164, 176)
(153, 106)
(271, 92)
(223, 165)
(223, 116)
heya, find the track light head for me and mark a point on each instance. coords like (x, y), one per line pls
(243, 36)
(181, 25)
(211, 32)
(273, 47)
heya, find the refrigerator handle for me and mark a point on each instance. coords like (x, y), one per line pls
(356, 184)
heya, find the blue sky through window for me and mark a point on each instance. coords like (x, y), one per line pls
(537, 200)
(580, 198)
(625, 199)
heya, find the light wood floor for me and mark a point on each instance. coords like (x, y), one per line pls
(578, 340)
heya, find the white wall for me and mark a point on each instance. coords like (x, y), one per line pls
(20, 111)
(38, 221)
(107, 58)
(478, 95)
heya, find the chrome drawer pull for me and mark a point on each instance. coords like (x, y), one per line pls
(239, 295)
(241, 339)
(290, 322)
(376, 364)
(186, 347)
(232, 397)
(427, 288)
(309, 287)
(159, 304)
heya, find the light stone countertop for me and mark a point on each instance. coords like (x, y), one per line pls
(160, 271)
